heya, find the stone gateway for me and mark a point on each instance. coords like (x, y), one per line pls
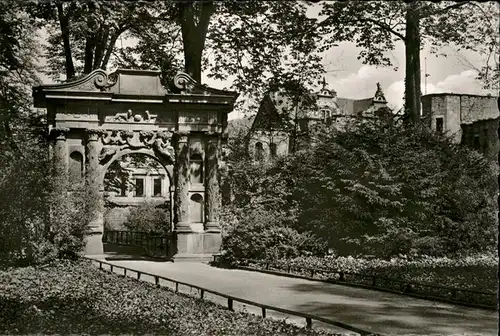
(97, 119)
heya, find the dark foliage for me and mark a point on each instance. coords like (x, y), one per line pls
(76, 298)
(375, 188)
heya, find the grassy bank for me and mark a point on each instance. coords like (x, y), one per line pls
(76, 298)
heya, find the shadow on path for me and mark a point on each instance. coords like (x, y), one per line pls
(382, 312)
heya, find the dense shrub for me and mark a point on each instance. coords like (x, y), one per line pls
(38, 220)
(76, 298)
(375, 188)
(148, 217)
(382, 189)
(261, 234)
(474, 272)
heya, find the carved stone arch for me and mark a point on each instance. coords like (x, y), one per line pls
(145, 151)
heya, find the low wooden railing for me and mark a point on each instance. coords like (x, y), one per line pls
(154, 244)
(430, 291)
(231, 299)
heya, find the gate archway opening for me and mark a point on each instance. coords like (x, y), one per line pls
(138, 194)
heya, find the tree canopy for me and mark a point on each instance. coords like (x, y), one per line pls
(251, 42)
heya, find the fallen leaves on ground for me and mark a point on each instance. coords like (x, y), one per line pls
(76, 298)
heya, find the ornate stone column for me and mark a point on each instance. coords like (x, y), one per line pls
(212, 189)
(181, 178)
(92, 180)
(60, 154)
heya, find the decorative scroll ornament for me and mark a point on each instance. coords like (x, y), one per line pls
(103, 81)
(129, 116)
(115, 141)
(184, 82)
(116, 137)
(106, 154)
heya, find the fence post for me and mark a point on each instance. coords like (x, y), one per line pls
(100, 265)
(308, 323)
(138, 275)
(263, 312)
(157, 280)
(341, 277)
(111, 268)
(202, 292)
(176, 287)
(124, 272)
(312, 273)
(230, 303)
(289, 268)
(267, 266)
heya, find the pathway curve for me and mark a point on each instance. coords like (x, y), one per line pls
(379, 312)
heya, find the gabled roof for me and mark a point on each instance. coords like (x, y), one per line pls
(268, 115)
(360, 105)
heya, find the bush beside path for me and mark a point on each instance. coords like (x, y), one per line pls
(475, 272)
(73, 297)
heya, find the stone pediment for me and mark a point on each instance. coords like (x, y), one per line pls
(99, 85)
(122, 81)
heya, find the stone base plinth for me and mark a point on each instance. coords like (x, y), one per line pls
(196, 246)
(94, 244)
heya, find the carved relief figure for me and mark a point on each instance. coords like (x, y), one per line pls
(129, 116)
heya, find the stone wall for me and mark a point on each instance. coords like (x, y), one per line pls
(280, 139)
(457, 110)
(482, 136)
(477, 108)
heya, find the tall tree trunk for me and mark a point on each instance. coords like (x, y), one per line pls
(194, 34)
(64, 24)
(89, 54)
(412, 49)
(109, 49)
(192, 59)
(100, 48)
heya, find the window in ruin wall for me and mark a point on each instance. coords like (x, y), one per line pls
(156, 187)
(139, 187)
(273, 149)
(259, 151)
(440, 125)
